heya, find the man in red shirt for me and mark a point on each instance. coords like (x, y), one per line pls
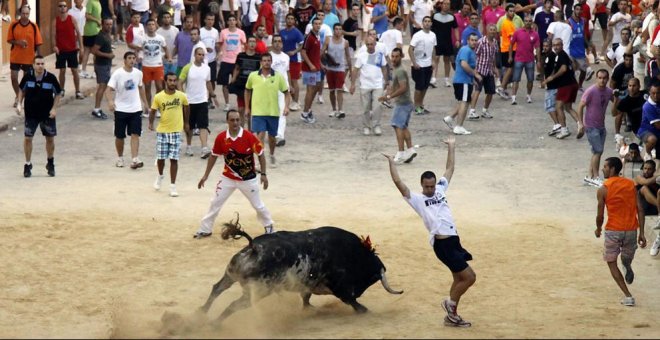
(311, 69)
(266, 17)
(67, 39)
(237, 146)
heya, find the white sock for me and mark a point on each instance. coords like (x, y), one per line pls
(97, 109)
(513, 98)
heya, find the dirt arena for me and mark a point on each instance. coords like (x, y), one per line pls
(96, 252)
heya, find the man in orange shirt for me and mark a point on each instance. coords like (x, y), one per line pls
(506, 26)
(624, 215)
(25, 39)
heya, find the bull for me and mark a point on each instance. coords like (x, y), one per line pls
(321, 261)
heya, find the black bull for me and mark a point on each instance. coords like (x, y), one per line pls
(325, 260)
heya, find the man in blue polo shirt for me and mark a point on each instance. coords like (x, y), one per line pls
(473, 28)
(466, 61)
(649, 129)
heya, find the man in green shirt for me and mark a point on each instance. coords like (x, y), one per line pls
(90, 30)
(264, 85)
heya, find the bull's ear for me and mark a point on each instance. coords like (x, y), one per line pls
(366, 242)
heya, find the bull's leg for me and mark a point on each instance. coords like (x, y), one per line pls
(356, 305)
(305, 297)
(241, 303)
(218, 288)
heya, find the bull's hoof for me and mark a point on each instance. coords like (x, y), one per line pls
(360, 309)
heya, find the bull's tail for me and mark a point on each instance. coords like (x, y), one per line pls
(233, 229)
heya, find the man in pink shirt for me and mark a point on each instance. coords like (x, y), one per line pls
(463, 21)
(232, 39)
(492, 13)
(527, 40)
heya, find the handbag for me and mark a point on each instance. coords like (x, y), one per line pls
(245, 18)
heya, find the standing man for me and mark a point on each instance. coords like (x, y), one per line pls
(624, 216)
(619, 20)
(527, 42)
(183, 45)
(311, 69)
(103, 56)
(175, 115)
(472, 28)
(578, 46)
(595, 100)
(563, 79)
(379, 16)
(419, 10)
(238, 147)
(403, 108)
(466, 61)
(292, 40)
(246, 63)
(550, 100)
(337, 48)
(372, 70)
(92, 28)
(422, 46)
(444, 26)
(631, 105)
(169, 32)
(621, 74)
(67, 39)
(41, 92)
(232, 39)
(507, 25)
(127, 99)
(431, 205)
(155, 48)
(281, 64)
(264, 87)
(210, 36)
(24, 37)
(544, 18)
(486, 52)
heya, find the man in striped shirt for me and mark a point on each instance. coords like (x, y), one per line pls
(486, 53)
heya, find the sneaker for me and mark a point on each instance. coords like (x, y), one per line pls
(200, 235)
(398, 158)
(628, 301)
(189, 151)
(655, 248)
(340, 114)
(120, 162)
(27, 170)
(85, 75)
(345, 89)
(513, 101)
(378, 131)
(628, 273)
(387, 104)
(145, 114)
(500, 91)
(590, 73)
(473, 116)
(597, 182)
(459, 130)
(486, 114)
(269, 229)
(280, 142)
(450, 309)
(173, 192)
(195, 132)
(409, 155)
(459, 323)
(159, 180)
(563, 133)
(580, 133)
(529, 99)
(332, 114)
(433, 81)
(80, 95)
(419, 111)
(227, 108)
(63, 93)
(273, 161)
(206, 152)
(157, 113)
(588, 180)
(293, 107)
(211, 105)
(6, 18)
(319, 99)
(50, 169)
(366, 131)
(308, 118)
(99, 114)
(137, 163)
(447, 82)
(449, 121)
(618, 140)
(555, 130)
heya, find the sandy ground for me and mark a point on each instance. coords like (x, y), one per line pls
(96, 252)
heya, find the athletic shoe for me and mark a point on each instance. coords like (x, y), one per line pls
(280, 142)
(555, 130)
(459, 130)
(308, 118)
(27, 170)
(85, 75)
(451, 310)
(228, 107)
(206, 152)
(513, 101)
(332, 114)
(387, 104)
(655, 248)
(580, 133)
(345, 89)
(340, 114)
(273, 161)
(269, 229)
(6, 18)
(563, 133)
(145, 114)
(120, 162)
(473, 115)
(157, 113)
(195, 132)
(597, 182)
(211, 105)
(628, 273)
(378, 131)
(200, 235)
(529, 99)
(486, 114)
(319, 99)
(159, 180)
(366, 131)
(588, 180)
(80, 95)
(460, 323)
(409, 155)
(62, 94)
(628, 301)
(447, 82)
(293, 107)
(189, 151)
(433, 81)
(398, 158)
(618, 140)
(50, 169)
(449, 121)
(99, 114)
(137, 163)
(173, 192)
(590, 73)
(500, 91)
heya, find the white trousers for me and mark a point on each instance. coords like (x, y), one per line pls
(281, 127)
(371, 107)
(223, 190)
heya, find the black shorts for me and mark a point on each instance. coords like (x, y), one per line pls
(463, 92)
(48, 126)
(214, 68)
(225, 71)
(444, 48)
(88, 40)
(505, 59)
(451, 253)
(127, 123)
(66, 59)
(199, 116)
(17, 67)
(602, 20)
(487, 84)
(422, 77)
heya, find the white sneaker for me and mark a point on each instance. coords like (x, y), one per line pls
(366, 131)
(529, 99)
(409, 155)
(294, 106)
(513, 100)
(120, 162)
(319, 99)
(433, 81)
(486, 114)
(173, 192)
(563, 133)
(628, 301)
(555, 130)
(345, 89)
(332, 114)
(206, 152)
(459, 130)
(398, 158)
(472, 115)
(189, 151)
(447, 82)
(378, 131)
(269, 229)
(655, 248)
(500, 91)
(449, 121)
(157, 113)
(159, 180)
(227, 108)
(618, 140)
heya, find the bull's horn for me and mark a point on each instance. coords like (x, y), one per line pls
(383, 280)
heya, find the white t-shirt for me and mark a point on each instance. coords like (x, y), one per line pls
(423, 44)
(380, 47)
(139, 5)
(253, 12)
(421, 9)
(225, 6)
(209, 38)
(562, 31)
(324, 33)
(139, 35)
(196, 83)
(616, 55)
(616, 34)
(170, 37)
(192, 53)
(178, 7)
(371, 73)
(126, 86)
(153, 50)
(79, 15)
(281, 64)
(434, 211)
(390, 39)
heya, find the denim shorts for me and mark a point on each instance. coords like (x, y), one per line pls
(168, 145)
(518, 68)
(550, 100)
(48, 126)
(265, 123)
(401, 115)
(311, 78)
(596, 138)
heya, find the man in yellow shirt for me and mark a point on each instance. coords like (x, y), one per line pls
(507, 25)
(174, 110)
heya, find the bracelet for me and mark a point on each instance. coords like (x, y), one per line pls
(263, 174)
